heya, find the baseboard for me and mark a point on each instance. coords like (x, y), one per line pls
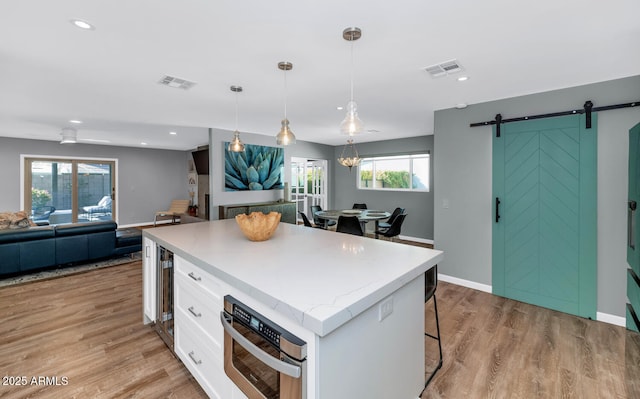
(416, 239)
(144, 224)
(611, 319)
(465, 283)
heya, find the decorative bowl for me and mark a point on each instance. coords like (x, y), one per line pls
(258, 226)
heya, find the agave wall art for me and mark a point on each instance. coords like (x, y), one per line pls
(257, 168)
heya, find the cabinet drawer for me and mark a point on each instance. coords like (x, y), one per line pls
(198, 357)
(199, 311)
(196, 277)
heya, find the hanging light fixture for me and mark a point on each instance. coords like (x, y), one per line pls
(349, 156)
(352, 124)
(285, 136)
(236, 145)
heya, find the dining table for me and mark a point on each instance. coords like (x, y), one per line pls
(363, 215)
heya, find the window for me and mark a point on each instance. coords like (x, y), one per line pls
(69, 190)
(397, 173)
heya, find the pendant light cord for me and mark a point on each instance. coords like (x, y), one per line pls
(236, 111)
(285, 93)
(352, 66)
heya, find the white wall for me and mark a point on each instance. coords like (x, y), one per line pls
(462, 166)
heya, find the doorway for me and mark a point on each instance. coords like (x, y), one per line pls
(308, 184)
(544, 213)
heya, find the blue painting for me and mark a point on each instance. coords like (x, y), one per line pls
(257, 168)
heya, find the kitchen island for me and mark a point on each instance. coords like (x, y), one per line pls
(357, 302)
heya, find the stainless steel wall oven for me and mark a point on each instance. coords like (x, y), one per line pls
(264, 360)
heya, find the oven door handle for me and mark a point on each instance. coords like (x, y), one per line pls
(276, 364)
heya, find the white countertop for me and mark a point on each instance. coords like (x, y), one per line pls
(319, 279)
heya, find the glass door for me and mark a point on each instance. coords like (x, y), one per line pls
(308, 184)
(95, 191)
(59, 191)
(317, 182)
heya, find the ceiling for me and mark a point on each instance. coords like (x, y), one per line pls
(107, 77)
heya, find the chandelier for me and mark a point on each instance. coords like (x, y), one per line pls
(349, 156)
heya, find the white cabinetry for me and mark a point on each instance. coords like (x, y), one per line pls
(199, 337)
(149, 280)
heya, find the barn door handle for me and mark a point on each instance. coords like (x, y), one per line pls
(631, 225)
(497, 209)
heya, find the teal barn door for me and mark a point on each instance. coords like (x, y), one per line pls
(544, 213)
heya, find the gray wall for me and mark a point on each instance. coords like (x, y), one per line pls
(148, 179)
(419, 205)
(463, 179)
(301, 149)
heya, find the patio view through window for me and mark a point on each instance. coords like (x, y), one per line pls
(61, 191)
(398, 173)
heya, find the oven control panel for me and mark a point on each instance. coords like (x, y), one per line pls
(252, 321)
(272, 333)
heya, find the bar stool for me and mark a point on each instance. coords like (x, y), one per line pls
(430, 285)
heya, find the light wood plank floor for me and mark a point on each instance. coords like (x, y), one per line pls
(86, 330)
(499, 348)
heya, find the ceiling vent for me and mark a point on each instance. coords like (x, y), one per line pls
(177, 83)
(445, 68)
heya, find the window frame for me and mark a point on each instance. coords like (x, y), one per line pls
(403, 156)
(26, 179)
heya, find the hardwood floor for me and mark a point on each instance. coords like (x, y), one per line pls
(495, 347)
(85, 333)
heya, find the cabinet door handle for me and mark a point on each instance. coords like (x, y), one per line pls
(193, 276)
(193, 312)
(146, 251)
(497, 209)
(193, 357)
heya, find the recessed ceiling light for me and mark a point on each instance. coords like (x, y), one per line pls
(463, 78)
(76, 121)
(339, 108)
(82, 24)
(143, 143)
(173, 133)
(461, 106)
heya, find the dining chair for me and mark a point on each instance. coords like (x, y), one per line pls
(305, 219)
(394, 215)
(393, 230)
(320, 222)
(349, 225)
(359, 206)
(430, 285)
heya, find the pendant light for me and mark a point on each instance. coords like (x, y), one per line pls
(285, 136)
(352, 125)
(349, 156)
(236, 145)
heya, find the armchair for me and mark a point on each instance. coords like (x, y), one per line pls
(177, 209)
(103, 207)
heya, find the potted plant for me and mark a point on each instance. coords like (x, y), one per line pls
(39, 198)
